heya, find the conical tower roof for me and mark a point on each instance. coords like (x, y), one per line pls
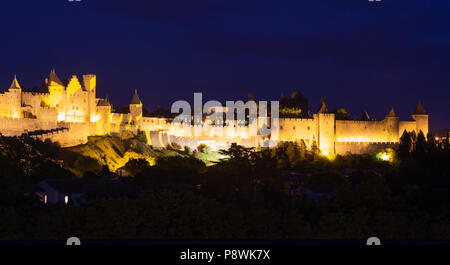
(104, 102)
(365, 116)
(392, 114)
(135, 100)
(54, 78)
(323, 106)
(15, 84)
(419, 109)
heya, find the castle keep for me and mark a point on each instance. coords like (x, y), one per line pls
(68, 112)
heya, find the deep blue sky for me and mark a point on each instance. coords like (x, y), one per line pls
(360, 55)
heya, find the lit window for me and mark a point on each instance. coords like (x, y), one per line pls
(45, 198)
(66, 199)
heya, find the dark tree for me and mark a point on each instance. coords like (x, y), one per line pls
(341, 114)
(238, 153)
(421, 145)
(405, 145)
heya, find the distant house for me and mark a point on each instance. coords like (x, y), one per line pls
(77, 191)
(65, 191)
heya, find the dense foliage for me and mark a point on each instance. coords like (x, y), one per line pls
(244, 196)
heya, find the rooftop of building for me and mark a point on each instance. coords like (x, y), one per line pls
(91, 186)
(135, 100)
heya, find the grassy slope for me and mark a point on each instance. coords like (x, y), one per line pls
(115, 152)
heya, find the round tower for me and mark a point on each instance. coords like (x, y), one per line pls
(421, 117)
(15, 99)
(392, 124)
(136, 108)
(325, 129)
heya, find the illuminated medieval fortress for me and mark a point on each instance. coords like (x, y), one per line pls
(69, 112)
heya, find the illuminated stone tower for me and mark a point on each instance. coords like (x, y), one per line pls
(90, 84)
(421, 118)
(76, 105)
(57, 95)
(136, 108)
(103, 119)
(15, 99)
(55, 88)
(392, 125)
(325, 129)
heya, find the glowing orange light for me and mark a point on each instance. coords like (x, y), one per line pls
(385, 156)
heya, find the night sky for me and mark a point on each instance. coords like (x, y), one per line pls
(360, 55)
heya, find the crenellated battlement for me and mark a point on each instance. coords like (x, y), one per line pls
(366, 143)
(70, 112)
(35, 93)
(296, 119)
